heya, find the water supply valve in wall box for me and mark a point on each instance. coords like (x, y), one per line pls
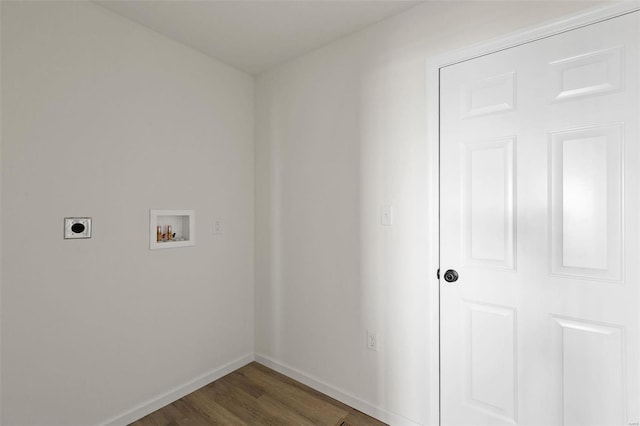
(77, 227)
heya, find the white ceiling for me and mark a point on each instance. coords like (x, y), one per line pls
(255, 35)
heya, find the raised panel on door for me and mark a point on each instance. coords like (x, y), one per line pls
(588, 74)
(586, 202)
(592, 369)
(488, 206)
(490, 349)
(490, 95)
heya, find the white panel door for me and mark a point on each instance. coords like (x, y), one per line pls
(540, 189)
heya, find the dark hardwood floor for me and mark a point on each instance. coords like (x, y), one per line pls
(256, 395)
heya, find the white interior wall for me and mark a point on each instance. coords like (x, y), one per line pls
(339, 133)
(103, 118)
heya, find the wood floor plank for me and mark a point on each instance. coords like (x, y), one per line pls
(302, 400)
(211, 410)
(168, 416)
(190, 417)
(256, 395)
(358, 418)
(298, 385)
(241, 381)
(238, 402)
(282, 413)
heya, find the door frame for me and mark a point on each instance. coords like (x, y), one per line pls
(434, 65)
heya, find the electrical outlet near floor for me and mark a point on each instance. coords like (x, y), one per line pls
(372, 341)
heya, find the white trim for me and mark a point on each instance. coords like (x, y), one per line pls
(434, 64)
(342, 396)
(528, 35)
(176, 393)
(433, 263)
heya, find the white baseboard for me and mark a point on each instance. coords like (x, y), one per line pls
(176, 393)
(344, 397)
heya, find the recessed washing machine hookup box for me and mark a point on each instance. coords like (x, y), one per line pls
(171, 229)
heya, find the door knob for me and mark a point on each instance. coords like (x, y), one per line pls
(451, 276)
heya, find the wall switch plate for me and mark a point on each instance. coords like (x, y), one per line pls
(386, 215)
(77, 227)
(372, 341)
(217, 227)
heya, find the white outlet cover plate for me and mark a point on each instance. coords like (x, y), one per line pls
(77, 227)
